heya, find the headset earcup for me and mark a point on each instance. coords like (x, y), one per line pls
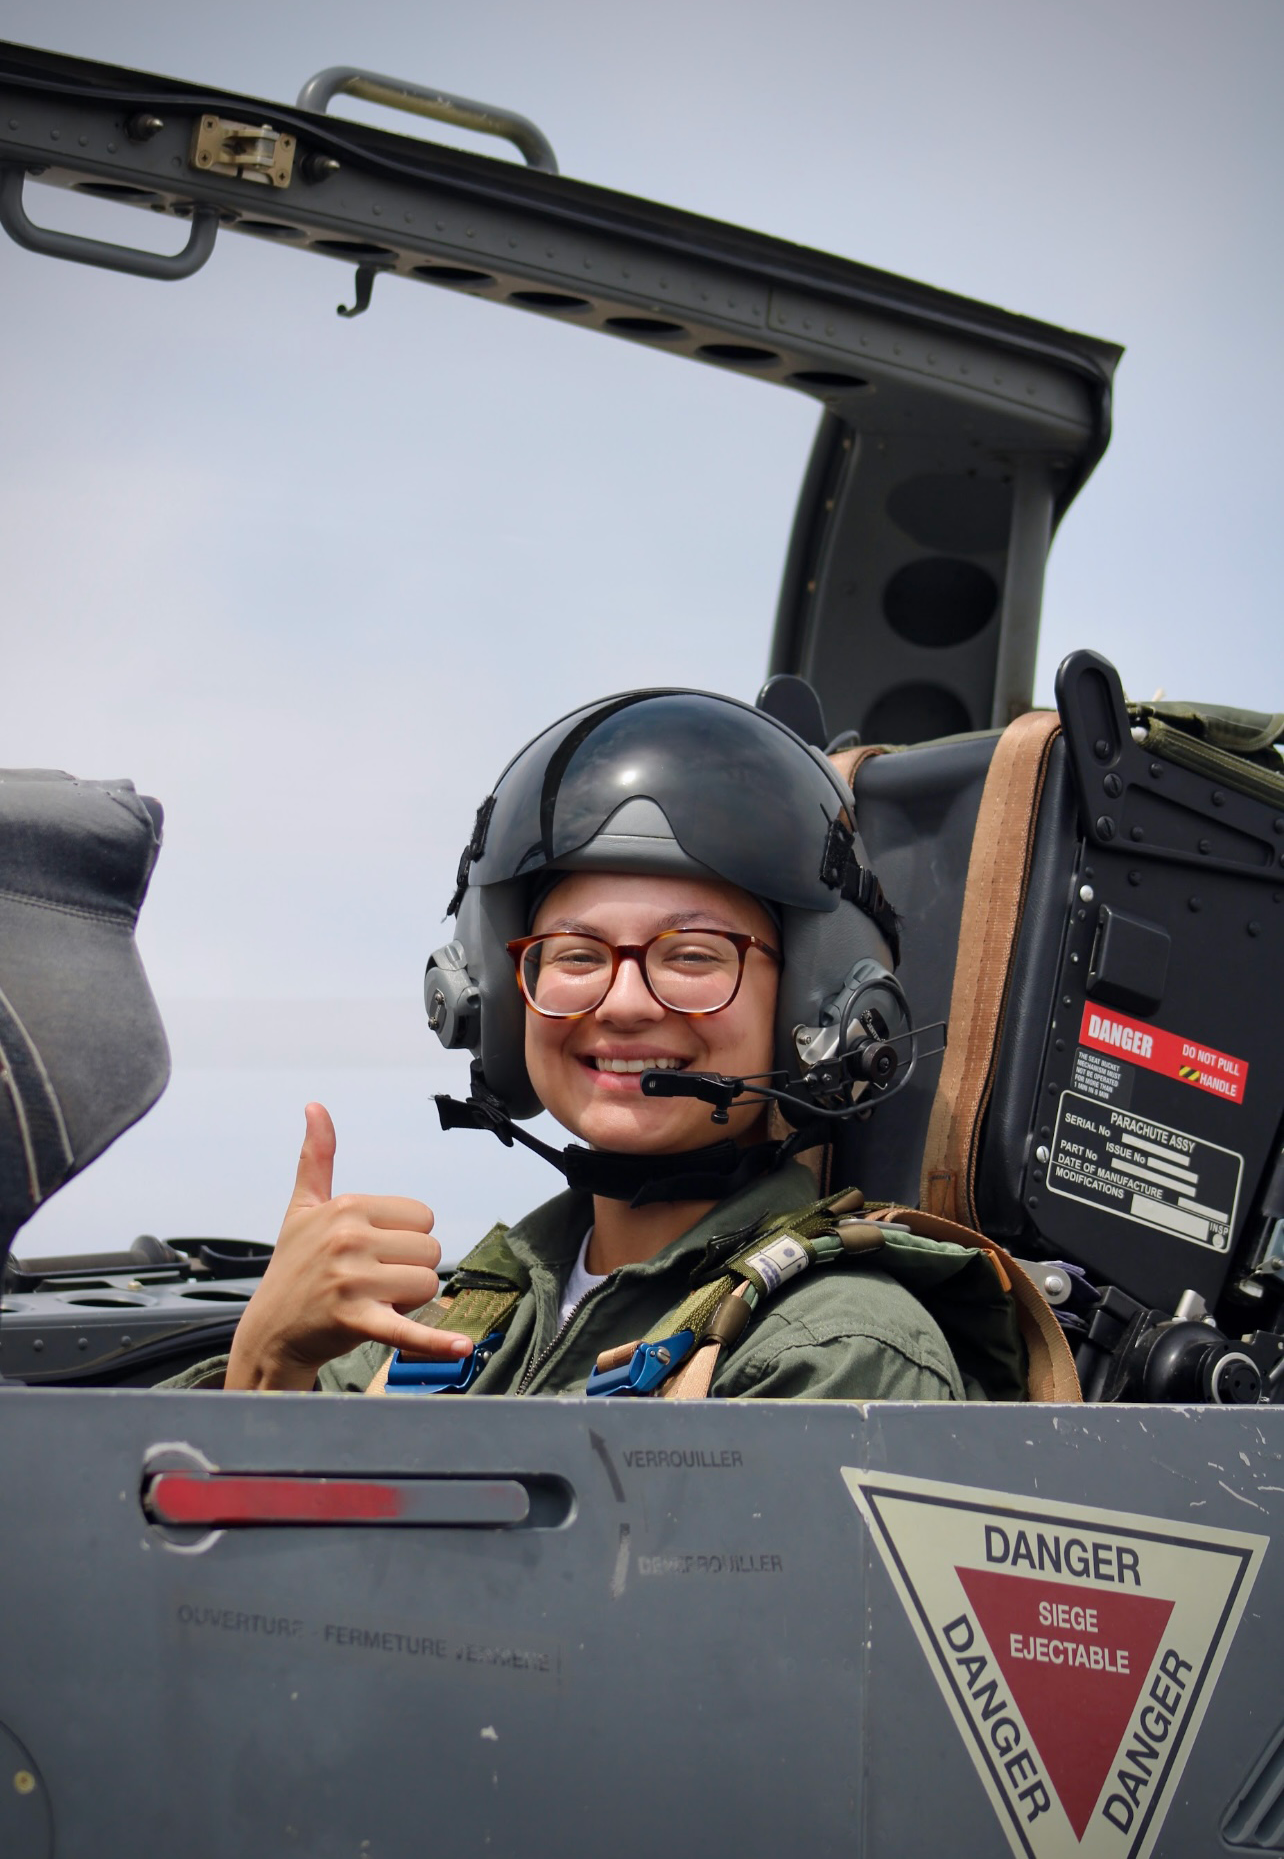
(820, 952)
(485, 929)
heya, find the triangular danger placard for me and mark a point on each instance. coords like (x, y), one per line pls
(1077, 1649)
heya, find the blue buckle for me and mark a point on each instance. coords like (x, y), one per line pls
(645, 1369)
(442, 1377)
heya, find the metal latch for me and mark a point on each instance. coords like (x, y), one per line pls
(645, 1369)
(411, 1377)
(252, 151)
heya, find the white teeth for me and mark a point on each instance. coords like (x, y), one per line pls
(638, 1065)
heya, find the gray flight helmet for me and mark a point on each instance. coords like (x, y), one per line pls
(677, 783)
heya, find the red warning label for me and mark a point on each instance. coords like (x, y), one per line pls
(1069, 1655)
(1167, 1053)
(1076, 1649)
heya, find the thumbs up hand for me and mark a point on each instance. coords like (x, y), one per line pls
(345, 1271)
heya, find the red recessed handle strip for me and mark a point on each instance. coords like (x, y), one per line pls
(226, 1500)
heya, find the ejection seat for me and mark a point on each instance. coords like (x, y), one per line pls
(918, 811)
(1112, 1090)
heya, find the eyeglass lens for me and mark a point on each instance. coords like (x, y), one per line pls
(692, 971)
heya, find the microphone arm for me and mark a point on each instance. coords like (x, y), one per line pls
(873, 1061)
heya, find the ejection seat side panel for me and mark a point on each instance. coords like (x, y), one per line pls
(917, 812)
(781, 1578)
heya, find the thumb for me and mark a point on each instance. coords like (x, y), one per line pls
(314, 1182)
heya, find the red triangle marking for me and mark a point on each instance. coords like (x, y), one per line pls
(1076, 1713)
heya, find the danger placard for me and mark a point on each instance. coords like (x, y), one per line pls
(1076, 1649)
(1156, 1050)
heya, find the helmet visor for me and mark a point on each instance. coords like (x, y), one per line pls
(742, 794)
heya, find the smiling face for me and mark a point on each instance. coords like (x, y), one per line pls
(573, 1064)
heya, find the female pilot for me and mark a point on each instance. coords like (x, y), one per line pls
(660, 883)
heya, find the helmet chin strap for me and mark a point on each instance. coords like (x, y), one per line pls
(708, 1174)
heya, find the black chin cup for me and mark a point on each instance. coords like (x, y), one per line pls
(708, 1174)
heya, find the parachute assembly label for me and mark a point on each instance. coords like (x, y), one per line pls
(1145, 1171)
(1076, 1649)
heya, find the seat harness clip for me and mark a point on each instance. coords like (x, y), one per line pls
(646, 1368)
(410, 1377)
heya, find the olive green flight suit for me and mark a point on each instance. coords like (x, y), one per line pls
(851, 1331)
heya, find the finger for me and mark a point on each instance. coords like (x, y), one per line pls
(405, 1287)
(385, 1326)
(396, 1248)
(314, 1181)
(392, 1210)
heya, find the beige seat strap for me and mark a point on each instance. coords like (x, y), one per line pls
(997, 880)
(379, 1382)
(694, 1379)
(848, 762)
(1050, 1371)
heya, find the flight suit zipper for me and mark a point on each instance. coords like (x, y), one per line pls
(722, 1248)
(545, 1355)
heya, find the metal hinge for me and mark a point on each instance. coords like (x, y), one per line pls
(252, 151)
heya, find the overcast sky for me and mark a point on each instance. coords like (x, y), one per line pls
(311, 582)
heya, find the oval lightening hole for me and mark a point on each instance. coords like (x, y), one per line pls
(458, 275)
(269, 229)
(824, 377)
(359, 254)
(548, 300)
(737, 354)
(652, 328)
(956, 514)
(115, 190)
(915, 713)
(939, 601)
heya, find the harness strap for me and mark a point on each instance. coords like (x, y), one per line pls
(485, 1290)
(695, 1377)
(717, 1314)
(1051, 1372)
(760, 1276)
(997, 879)
(849, 761)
